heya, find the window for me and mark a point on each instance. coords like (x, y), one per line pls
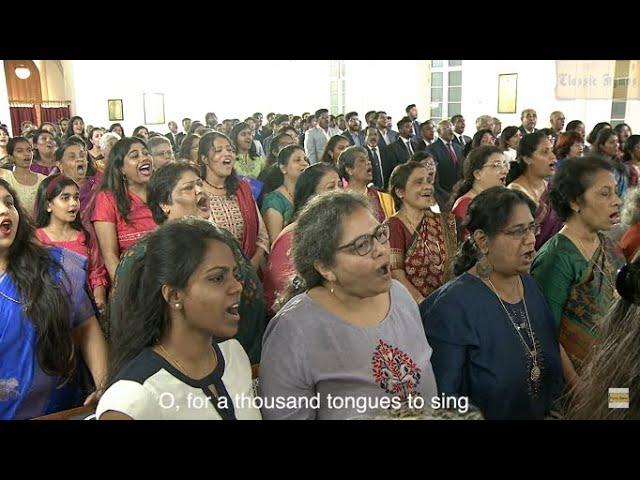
(336, 86)
(446, 89)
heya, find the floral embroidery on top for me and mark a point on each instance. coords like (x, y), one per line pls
(395, 371)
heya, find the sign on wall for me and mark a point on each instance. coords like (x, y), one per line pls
(596, 80)
(153, 108)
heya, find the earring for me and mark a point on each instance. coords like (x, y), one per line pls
(483, 267)
(49, 210)
(331, 290)
(177, 305)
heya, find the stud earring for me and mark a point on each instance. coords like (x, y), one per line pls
(177, 305)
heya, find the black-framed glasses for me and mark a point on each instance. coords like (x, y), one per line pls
(519, 233)
(364, 243)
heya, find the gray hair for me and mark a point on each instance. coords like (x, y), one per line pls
(484, 122)
(631, 209)
(154, 142)
(318, 231)
(107, 137)
(347, 159)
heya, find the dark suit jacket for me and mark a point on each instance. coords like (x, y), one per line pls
(180, 136)
(397, 153)
(419, 145)
(457, 142)
(447, 173)
(347, 134)
(416, 128)
(387, 168)
(174, 144)
(393, 136)
(524, 132)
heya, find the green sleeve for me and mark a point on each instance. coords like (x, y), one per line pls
(555, 271)
(277, 202)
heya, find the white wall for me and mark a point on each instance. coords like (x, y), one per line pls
(231, 89)
(388, 85)
(5, 115)
(536, 89)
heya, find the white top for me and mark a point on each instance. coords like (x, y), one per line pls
(150, 388)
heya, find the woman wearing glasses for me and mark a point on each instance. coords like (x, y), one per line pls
(576, 268)
(350, 340)
(491, 328)
(484, 167)
(536, 163)
(277, 207)
(422, 239)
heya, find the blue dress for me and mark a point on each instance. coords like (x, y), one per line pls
(478, 354)
(25, 390)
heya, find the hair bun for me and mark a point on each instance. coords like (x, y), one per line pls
(628, 283)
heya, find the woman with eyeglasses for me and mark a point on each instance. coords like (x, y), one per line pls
(422, 239)
(312, 181)
(355, 167)
(491, 328)
(278, 205)
(232, 204)
(536, 163)
(576, 268)
(349, 329)
(484, 167)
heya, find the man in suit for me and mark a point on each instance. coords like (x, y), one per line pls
(378, 157)
(401, 150)
(458, 131)
(529, 118)
(428, 133)
(557, 124)
(172, 135)
(186, 125)
(279, 122)
(211, 120)
(448, 157)
(353, 133)
(387, 135)
(412, 113)
(316, 138)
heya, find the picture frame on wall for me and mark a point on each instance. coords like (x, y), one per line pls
(507, 92)
(153, 108)
(116, 113)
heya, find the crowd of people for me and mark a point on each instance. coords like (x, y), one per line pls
(320, 267)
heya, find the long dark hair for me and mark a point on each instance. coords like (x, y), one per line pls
(113, 179)
(69, 131)
(275, 178)
(328, 148)
(113, 127)
(42, 216)
(489, 211)
(506, 135)
(308, 183)
(233, 135)
(591, 138)
(205, 145)
(527, 146)
(399, 178)
(476, 160)
(32, 268)
(629, 146)
(173, 252)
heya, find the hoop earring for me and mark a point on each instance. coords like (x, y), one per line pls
(483, 267)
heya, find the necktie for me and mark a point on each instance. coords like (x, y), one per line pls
(452, 154)
(409, 148)
(376, 159)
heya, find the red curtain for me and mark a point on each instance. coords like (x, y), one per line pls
(52, 115)
(19, 115)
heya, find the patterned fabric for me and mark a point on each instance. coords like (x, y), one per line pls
(27, 193)
(140, 218)
(279, 269)
(41, 169)
(251, 167)
(227, 214)
(382, 204)
(395, 371)
(427, 254)
(588, 303)
(26, 391)
(630, 242)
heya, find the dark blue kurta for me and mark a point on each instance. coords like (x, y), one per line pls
(477, 352)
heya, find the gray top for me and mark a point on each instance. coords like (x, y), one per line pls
(309, 352)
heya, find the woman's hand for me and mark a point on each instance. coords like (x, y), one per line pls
(100, 297)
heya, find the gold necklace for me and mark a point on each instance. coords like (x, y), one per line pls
(535, 373)
(214, 186)
(177, 363)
